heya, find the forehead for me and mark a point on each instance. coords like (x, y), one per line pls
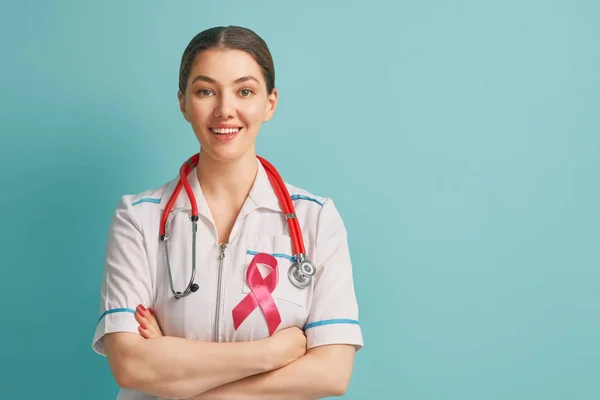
(225, 66)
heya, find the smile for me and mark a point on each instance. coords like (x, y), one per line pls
(227, 131)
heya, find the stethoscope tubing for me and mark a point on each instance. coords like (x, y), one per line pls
(286, 203)
(302, 270)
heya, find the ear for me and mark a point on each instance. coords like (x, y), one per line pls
(181, 98)
(271, 105)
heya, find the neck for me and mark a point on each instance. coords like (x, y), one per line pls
(227, 181)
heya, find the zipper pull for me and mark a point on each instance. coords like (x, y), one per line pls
(222, 251)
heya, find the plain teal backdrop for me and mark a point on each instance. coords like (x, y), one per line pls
(459, 139)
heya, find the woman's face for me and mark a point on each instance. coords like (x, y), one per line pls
(226, 91)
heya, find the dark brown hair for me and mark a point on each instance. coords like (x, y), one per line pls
(232, 38)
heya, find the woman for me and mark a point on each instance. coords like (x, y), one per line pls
(220, 341)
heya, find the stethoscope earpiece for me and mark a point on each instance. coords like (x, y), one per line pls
(307, 268)
(193, 288)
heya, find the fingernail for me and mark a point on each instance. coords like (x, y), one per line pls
(143, 327)
(142, 307)
(150, 309)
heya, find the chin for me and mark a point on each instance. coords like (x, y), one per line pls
(227, 154)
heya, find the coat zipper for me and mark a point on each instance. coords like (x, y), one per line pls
(217, 329)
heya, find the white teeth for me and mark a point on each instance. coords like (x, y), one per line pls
(225, 131)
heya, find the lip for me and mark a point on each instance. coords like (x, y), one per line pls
(226, 138)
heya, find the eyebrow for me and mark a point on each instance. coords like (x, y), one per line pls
(205, 78)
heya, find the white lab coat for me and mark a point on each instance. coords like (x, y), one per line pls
(135, 269)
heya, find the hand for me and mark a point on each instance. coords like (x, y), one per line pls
(286, 346)
(149, 327)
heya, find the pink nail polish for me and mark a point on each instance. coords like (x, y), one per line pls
(143, 327)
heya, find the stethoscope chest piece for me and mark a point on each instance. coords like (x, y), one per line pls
(301, 272)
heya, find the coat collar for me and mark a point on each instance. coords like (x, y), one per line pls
(261, 195)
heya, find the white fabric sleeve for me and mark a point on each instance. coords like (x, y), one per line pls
(126, 279)
(333, 318)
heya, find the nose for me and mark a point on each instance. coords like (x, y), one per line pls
(225, 107)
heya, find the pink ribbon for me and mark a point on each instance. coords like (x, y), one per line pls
(260, 294)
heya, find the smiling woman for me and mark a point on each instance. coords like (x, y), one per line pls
(229, 101)
(258, 319)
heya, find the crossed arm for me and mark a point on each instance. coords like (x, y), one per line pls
(170, 367)
(324, 371)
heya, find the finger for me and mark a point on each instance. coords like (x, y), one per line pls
(142, 316)
(150, 320)
(144, 332)
(154, 321)
(146, 317)
(147, 333)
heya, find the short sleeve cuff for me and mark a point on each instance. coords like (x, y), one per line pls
(333, 331)
(116, 320)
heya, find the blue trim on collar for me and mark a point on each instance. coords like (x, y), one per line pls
(146, 200)
(302, 197)
(293, 197)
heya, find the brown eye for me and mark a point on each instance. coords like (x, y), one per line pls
(204, 92)
(246, 92)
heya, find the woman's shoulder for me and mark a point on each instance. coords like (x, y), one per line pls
(314, 207)
(147, 198)
(318, 214)
(301, 196)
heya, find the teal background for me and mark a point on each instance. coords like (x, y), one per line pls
(460, 141)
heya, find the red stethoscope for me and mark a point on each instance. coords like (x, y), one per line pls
(301, 271)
